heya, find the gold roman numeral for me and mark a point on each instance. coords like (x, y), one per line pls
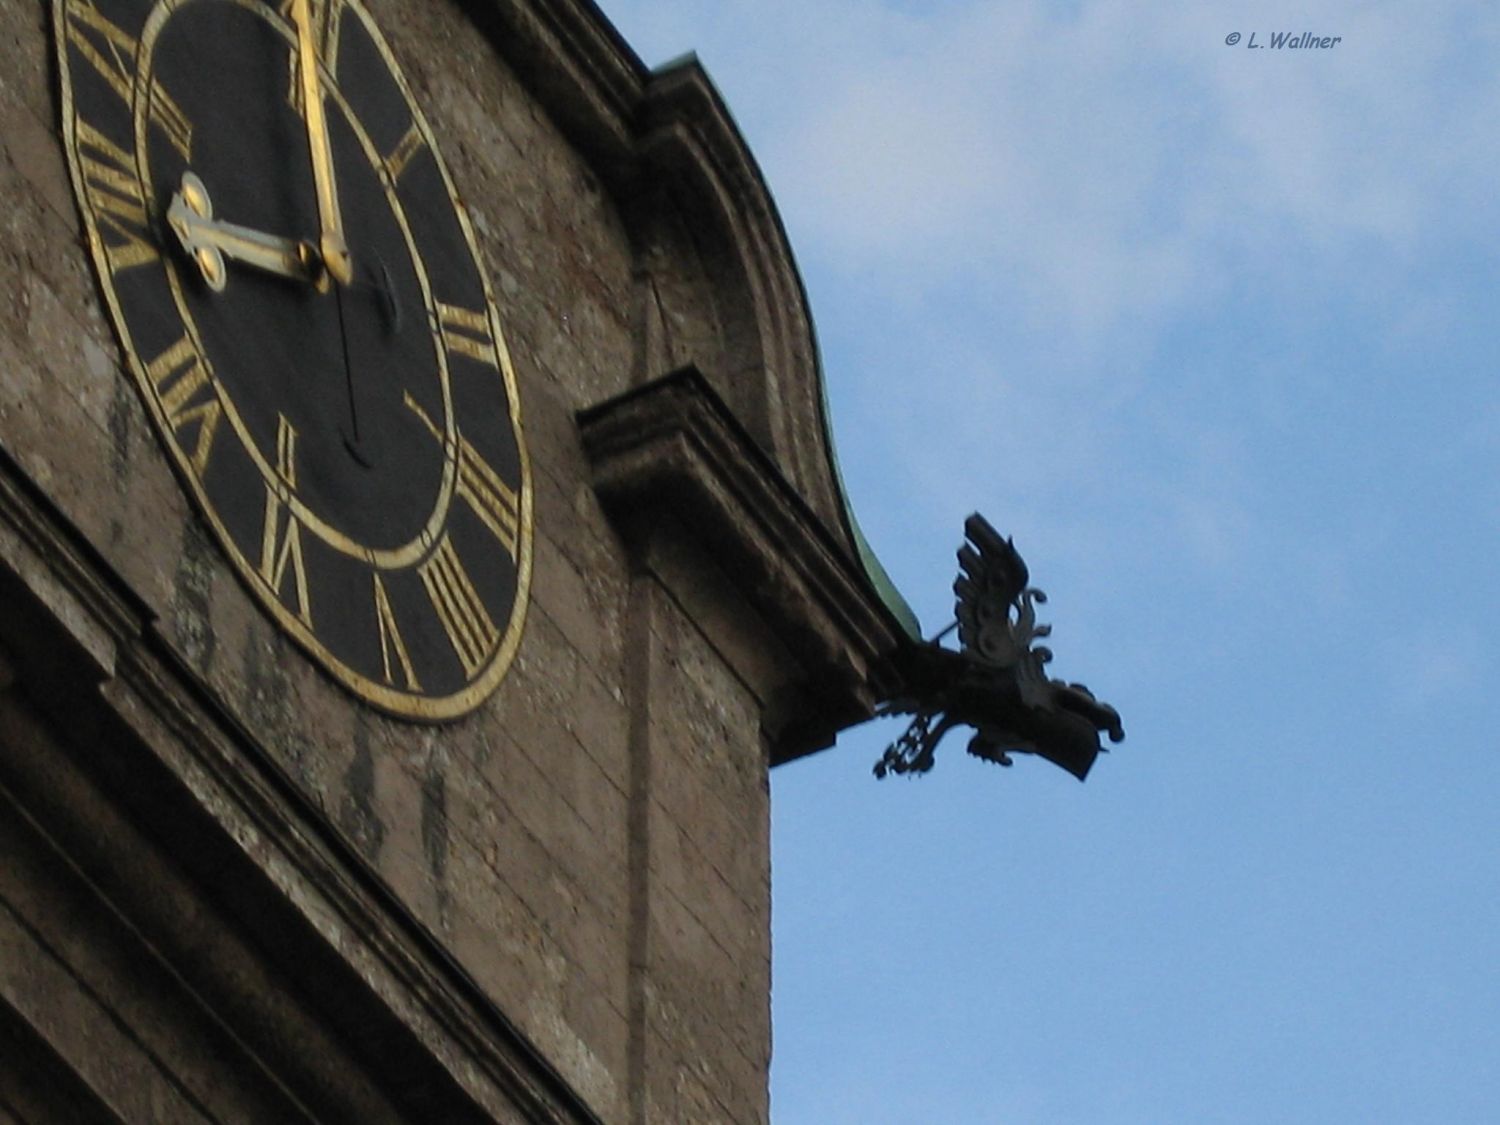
(391, 643)
(467, 333)
(281, 541)
(178, 375)
(493, 501)
(459, 608)
(281, 550)
(327, 16)
(114, 196)
(286, 451)
(111, 51)
(169, 118)
(400, 156)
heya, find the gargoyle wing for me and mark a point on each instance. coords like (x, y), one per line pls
(991, 580)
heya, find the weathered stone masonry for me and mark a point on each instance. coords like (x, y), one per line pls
(230, 892)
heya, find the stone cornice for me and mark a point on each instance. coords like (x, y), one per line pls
(670, 454)
(577, 66)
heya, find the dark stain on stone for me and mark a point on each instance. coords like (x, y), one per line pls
(357, 816)
(121, 410)
(192, 596)
(435, 825)
(121, 407)
(481, 752)
(267, 708)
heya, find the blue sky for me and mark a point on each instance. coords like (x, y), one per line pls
(1211, 331)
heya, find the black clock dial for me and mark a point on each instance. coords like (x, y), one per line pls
(299, 294)
(334, 366)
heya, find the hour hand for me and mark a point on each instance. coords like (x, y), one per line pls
(208, 241)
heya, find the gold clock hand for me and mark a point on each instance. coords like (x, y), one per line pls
(335, 250)
(208, 241)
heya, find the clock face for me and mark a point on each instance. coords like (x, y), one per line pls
(297, 290)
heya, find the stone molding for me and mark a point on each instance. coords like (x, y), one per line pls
(670, 455)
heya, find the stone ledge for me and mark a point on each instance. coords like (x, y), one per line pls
(669, 458)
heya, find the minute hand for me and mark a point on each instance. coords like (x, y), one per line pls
(334, 249)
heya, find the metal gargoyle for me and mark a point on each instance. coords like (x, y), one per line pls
(995, 683)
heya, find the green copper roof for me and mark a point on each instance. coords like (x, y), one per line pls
(884, 588)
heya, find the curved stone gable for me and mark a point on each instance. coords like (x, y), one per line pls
(717, 284)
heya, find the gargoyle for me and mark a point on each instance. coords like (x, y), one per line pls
(995, 683)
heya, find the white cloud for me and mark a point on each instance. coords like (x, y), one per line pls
(1115, 161)
(1430, 667)
(1010, 209)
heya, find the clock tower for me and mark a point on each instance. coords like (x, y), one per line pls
(419, 536)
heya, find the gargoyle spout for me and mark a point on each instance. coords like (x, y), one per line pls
(995, 682)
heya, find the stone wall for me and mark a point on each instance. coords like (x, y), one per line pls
(588, 852)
